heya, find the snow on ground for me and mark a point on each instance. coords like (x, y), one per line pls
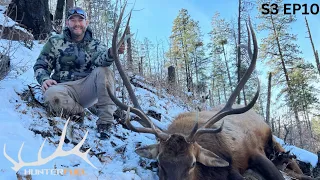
(302, 155)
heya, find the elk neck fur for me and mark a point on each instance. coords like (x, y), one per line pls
(242, 135)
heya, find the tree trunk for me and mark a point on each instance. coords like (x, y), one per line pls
(316, 55)
(171, 78)
(219, 98)
(279, 127)
(273, 126)
(34, 14)
(187, 73)
(287, 131)
(129, 55)
(163, 59)
(197, 72)
(58, 16)
(190, 88)
(261, 107)
(225, 92)
(210, 99)
(69, 4)
(213, 90)
(141, 67)
(296, 115)
(306, 114)
(185, 61)
(228, 71)
(89, 12)
(157, 60)
(244, 96)
(238, 49)
(4, 65)
(148, 55)
(268, 100)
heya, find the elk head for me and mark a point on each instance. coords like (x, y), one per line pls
(178, 158)
(179, 154)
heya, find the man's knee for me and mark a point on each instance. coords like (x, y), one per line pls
(108, 75)
(54, 95)
(58, 99)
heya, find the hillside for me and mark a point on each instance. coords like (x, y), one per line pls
(21, 123)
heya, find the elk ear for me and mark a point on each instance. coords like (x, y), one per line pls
(209, 158)
(150, 152)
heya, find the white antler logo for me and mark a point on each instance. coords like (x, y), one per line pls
(58, 153)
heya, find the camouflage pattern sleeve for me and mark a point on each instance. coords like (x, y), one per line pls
(101, 57)
(44, 64)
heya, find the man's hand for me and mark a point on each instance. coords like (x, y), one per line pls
(47, 83)
(120, 50)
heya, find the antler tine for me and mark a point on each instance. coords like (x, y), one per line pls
(249, 42)
(159, 134)
(115, 46)
(197, 132)
(204, 131)
(194, 129)
(227, 109)
(124, 32)
(124, 77)
(190, 138)
(146, 122)
(153, 130)
(125, 107)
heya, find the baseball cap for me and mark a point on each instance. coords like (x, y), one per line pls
(77, 11)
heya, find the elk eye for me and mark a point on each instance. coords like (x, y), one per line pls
(193, 165)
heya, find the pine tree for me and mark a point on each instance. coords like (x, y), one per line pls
(184, 42)
(219, 37)
(281, 53)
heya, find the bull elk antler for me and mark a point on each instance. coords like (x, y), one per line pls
(227, 109)
(57, 153)
(146, 122)
(115, 47)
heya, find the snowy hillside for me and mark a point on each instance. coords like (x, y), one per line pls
(19, 122)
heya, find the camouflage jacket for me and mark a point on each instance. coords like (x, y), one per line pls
(70, 61)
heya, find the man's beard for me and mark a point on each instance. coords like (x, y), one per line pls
(73, 34)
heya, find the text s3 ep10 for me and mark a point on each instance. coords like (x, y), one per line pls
(290, 8)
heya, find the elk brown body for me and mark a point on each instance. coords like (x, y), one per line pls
(239, 146)
(242, 136)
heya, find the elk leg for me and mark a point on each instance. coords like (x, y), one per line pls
(265, 167)
(253, 175)
(235, 175)
(298, 176)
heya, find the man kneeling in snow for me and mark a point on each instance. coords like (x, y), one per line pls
(80, 66)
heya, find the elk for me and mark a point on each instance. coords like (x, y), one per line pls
(208, 148)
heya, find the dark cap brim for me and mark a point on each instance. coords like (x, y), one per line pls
(77, 15)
